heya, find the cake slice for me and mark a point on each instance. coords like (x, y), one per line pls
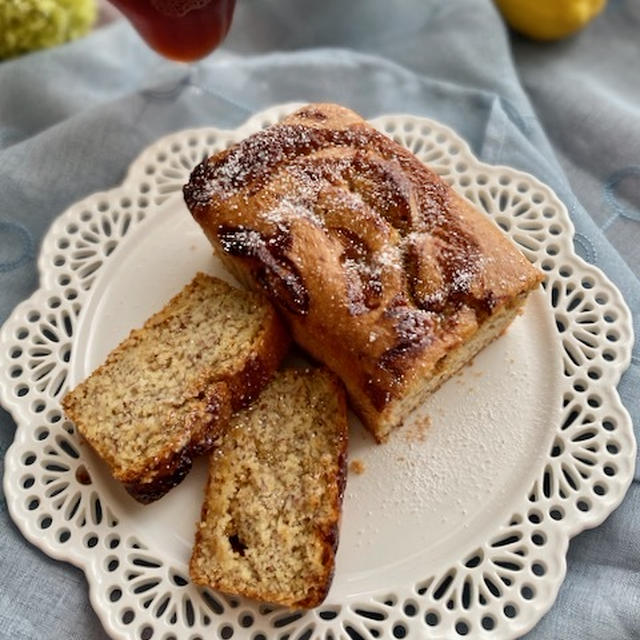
(269, 526)
(168, 390)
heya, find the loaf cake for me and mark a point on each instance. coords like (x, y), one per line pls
(168, 390)
(269, 525)
(383, 272)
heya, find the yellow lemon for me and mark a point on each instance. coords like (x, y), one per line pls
(549, 19)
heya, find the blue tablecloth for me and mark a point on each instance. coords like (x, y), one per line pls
(72, 119)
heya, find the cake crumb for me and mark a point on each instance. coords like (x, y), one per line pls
(357, 467)
(416, 431)
(82, 475)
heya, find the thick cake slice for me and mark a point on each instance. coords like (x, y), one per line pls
(167, 390)
(269, 527)
(383, 271)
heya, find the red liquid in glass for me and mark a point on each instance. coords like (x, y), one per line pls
(183, 30)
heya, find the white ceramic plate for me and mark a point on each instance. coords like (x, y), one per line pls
(456, 530)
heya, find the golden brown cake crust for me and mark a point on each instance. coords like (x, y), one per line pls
(200, 407)
(381, 269)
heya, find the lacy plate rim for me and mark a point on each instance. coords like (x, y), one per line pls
(14, 407)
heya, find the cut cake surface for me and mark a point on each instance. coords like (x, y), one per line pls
(269, 527)
(169, 388)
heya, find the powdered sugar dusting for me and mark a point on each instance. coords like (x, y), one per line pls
(286, 211)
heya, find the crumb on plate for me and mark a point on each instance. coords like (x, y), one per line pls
(416, 431)
(357, 467)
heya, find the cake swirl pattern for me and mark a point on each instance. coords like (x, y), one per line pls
(384, 272)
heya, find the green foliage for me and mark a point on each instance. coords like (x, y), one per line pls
(27, 25)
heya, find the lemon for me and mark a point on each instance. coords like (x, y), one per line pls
(549, 19)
